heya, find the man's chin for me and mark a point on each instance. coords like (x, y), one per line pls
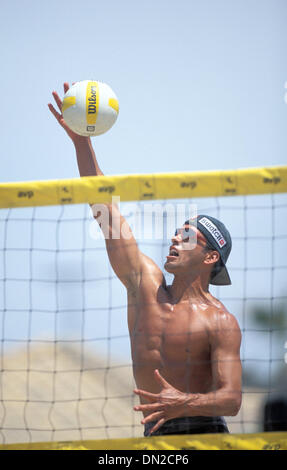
(170, 267)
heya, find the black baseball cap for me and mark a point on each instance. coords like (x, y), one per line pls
(219, 239)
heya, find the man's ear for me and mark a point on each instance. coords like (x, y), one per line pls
(212, 257)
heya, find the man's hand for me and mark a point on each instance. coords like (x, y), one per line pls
(168, 404)
(75, 137)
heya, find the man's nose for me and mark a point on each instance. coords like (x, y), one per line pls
(176, 238)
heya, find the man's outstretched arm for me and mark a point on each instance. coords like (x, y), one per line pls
(124, 254)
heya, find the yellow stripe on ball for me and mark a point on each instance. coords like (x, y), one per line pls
(113, 103)
(67, 102)
(92, 102)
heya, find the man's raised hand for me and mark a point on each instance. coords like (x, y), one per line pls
(59, 116)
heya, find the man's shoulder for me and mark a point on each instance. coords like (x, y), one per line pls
(151, 275)
(222, 320)
(148, 265)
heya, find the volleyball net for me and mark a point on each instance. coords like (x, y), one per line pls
(66, 372)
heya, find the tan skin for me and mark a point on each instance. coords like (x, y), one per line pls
(185, 344)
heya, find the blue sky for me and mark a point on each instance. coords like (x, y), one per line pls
(201, 86)
(200, 83)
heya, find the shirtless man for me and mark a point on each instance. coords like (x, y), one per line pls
(185, 344)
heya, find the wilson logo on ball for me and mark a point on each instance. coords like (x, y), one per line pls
(92, 101)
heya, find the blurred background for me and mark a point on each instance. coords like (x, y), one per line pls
(202, 85)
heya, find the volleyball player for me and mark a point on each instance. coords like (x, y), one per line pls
(185, 344)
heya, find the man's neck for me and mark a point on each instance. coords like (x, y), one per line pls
(185, 288)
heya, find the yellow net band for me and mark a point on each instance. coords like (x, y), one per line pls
(100, 189)
(260, 441)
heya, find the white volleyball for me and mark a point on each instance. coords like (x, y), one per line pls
(90, 108)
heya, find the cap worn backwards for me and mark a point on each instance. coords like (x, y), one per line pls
(218, 238)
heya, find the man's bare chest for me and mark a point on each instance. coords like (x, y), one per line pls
(173, 330)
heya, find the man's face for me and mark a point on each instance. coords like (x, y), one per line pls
(188, 249)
